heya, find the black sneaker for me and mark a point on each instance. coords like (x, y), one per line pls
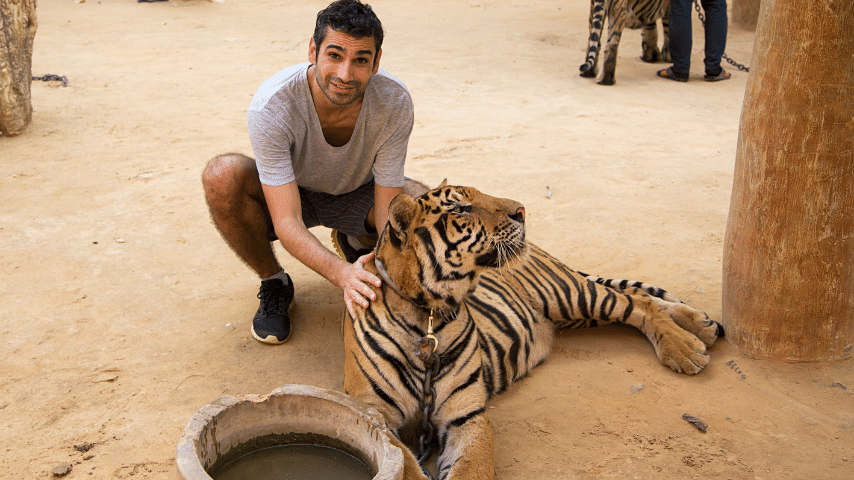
(344, 249)
(271, 323)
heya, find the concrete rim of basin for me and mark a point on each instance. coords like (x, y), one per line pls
(229, 421)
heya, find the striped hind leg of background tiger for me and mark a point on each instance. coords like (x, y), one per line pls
(467, 307)
(621, 14)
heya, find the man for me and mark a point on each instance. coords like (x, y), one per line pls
(330, 139)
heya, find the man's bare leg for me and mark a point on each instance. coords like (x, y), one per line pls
(238, 209)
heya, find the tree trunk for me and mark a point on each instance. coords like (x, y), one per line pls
(17, 31)
(745, 13)
(788, 264)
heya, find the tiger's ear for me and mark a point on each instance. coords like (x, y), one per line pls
(444, 182)
(401, 212)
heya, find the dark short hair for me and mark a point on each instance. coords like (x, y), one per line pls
(351, 17)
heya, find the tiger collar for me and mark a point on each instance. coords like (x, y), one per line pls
(444, 313)
(388, 281)
(428, 342)
(386, 278)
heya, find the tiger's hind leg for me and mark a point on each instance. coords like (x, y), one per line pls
(571, 299)
(649, 43)
(616, 24)
(675, 346)
(690, 319)
(653, 311)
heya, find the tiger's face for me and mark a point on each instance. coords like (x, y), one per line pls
(451, 234)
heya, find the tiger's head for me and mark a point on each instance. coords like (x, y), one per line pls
(435, 246)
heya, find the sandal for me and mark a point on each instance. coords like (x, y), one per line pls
(668, 74)
(724, 75)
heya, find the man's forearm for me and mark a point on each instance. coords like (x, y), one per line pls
(306, 248)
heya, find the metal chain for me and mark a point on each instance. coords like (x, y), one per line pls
(428, 346)
(50, 76)
(723, 55)
(427, 404)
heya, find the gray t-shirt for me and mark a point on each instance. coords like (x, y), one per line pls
(288, 143)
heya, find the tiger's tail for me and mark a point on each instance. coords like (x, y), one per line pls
(597, 23)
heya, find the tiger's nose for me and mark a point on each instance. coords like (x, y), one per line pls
(519, 216)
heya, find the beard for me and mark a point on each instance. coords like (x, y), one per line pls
(340, 99)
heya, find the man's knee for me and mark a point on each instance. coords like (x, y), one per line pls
(227, 174)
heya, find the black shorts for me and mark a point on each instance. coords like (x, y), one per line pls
(347, 213)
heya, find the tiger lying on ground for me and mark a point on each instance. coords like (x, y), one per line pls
(460, 257)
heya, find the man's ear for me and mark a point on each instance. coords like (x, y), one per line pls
(401, 213)
(312, 51)
(377, 61)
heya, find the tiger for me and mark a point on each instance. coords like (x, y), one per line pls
(625, 13)
(467, 307)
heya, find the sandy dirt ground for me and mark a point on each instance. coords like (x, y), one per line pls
(123, 312)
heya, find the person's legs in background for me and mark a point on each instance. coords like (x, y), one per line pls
(680, 37)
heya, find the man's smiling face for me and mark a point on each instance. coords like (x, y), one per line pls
(344, 65)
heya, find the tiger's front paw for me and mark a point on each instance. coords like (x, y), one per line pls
(683, 352)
